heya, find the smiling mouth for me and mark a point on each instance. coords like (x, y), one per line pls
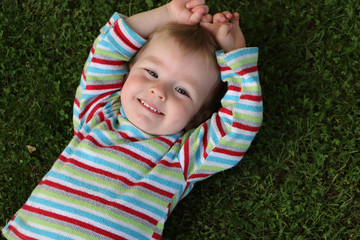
(149, 107)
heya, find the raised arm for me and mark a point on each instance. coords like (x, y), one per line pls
(177, 11)
(221, 142)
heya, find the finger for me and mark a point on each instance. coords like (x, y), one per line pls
(193, 3)
(219, 18)
(235, 18)
(204, 7)
(197, 15)
(207, 18)
(227, 14)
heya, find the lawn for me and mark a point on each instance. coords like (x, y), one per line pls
(301, 177)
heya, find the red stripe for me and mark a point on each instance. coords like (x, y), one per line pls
(120, 35)
(186, 159)
(234, 88)
(104, 86)
(166, 141)
(251, 97)
(98, 98)
(228, 152)
(246, 127)
(72, 221)
(156, 236)
(19, 234)
(205, 139)
(170, 164)
(117, 177)
(187, 186)
(101, 200)
(225, 68)
(91, 114)
(247, 70)
(76, 102)
(92, 50)
(107, 62)
(226, 111)
(123, 150)
(202, 175)
(218, 124)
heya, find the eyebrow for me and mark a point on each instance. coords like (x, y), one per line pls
(189, 83)
(156, 60)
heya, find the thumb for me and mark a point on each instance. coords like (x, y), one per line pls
(196, 16)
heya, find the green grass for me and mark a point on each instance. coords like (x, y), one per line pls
(301, 177)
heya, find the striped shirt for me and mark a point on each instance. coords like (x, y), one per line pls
(114, 181)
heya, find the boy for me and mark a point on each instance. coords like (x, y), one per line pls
(136, 149)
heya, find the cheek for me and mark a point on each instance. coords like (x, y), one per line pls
(183, 112)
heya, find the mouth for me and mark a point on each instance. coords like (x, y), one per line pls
(150, 108)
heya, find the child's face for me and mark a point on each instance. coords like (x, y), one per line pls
(166, 87)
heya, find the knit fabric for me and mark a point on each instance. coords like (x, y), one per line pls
(114, 181)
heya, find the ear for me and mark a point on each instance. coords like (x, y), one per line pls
(198, 119)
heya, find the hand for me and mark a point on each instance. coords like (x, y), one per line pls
(226, 30)
(188, 12)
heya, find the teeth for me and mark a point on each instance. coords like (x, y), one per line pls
(146, 105)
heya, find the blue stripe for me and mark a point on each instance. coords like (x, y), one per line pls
(142, 148)
(232, 98)
(228, 75)
(106, 71)
(38, 231)
(85, 96)
(75, 113)
(226, 120)
(251, 79)
(102, 137)
(221, 160)
(241, 54)
(213, 135)
(87, 215)
(164, 182)
(107, 45)
(105, 163)
(249, 108)
(133, 34)
(240, 136)
(118, 47)
(134, 131)
(106, 192)
(87, 128)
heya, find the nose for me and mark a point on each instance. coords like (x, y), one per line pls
(159, 91)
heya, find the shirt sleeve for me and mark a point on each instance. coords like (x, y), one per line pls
(105, 68)
(221, 142)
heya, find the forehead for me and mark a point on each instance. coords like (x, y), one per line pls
(184, 65)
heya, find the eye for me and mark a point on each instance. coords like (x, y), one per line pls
(152, 73)
(181, 91)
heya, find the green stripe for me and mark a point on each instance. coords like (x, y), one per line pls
(247, 117)
(234, 144)
(105, 78)
(172, 174)
(103, 211)
(242, 62)
(58, 227)
(104, 182)
(251, 88)
(110, 54)
(211, 168)
(115, 157)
